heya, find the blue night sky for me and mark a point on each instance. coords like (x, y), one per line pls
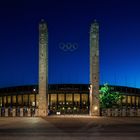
(69, 21)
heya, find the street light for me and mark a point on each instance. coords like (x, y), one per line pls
(34, 89)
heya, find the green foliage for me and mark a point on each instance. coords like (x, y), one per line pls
(108, 97)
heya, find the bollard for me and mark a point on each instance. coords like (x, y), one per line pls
(25, 111)
(21, 112)
(112, 112)
(36, 112)
(14, 112)
(33, 112)
(116, 112)
(29, 112)
(138, 112)
(108, 112)
(3, 112)
(18, 112)
(10, 112)
(119, 112)
(135, 112)
(123, 112)
(131, 112)
(6, 112)
(103, 112)
(128, 112)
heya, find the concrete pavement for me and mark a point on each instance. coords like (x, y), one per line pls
(71, 128)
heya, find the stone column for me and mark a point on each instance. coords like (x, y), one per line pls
(94, 70)
(43, 69)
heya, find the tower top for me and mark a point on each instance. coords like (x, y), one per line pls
(42, 21)
(94, 26)
(95, 23)
(42, 24)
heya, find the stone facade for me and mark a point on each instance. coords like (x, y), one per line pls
(43, 69)
(94, 70)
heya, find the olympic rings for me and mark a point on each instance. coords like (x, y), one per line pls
(68, 46)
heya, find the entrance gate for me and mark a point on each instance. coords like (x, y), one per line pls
(67, 103)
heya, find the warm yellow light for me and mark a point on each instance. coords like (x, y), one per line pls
(33, 103)
(95, 108)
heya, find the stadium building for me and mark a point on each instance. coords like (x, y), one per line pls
(63, 98)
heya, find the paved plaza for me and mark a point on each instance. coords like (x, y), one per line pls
(71, 128)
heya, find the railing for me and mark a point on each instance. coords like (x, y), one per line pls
(18, 112)
(124, 112)
(34, 112)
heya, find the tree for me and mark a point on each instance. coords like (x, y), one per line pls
(108, 97)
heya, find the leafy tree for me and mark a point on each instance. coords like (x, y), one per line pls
(108, 97)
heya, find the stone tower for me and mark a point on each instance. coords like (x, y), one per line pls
(43, 69)
(94, 69)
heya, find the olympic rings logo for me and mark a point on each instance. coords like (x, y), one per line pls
(68, 47)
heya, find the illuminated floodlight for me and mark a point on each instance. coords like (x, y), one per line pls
(95, 108)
